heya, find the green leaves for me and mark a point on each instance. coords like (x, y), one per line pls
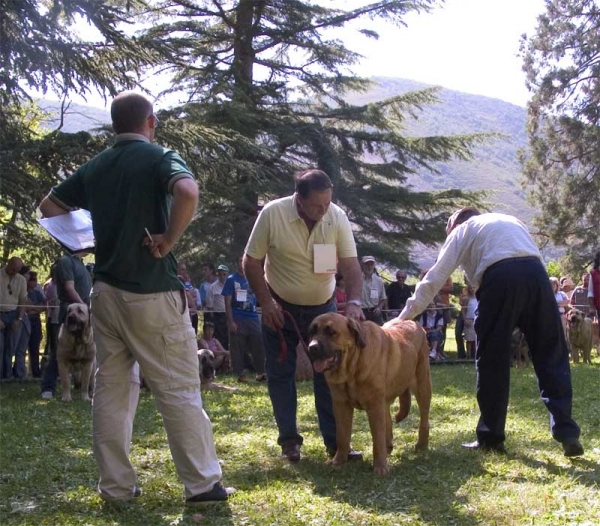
(562, 63)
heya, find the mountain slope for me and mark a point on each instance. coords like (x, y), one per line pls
(495, 167)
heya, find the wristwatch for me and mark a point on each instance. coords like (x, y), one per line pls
(354, 302)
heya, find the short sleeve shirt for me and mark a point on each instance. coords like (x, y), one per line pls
(243, 300)
(71, 268)
(281, 235)
(127, 188)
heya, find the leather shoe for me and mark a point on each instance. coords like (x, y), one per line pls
(352, 454)
(572, 447)
(291, 451)
(482, 446)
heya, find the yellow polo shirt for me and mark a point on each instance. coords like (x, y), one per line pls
(281, 235)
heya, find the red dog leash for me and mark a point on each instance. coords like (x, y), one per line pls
(283, 343)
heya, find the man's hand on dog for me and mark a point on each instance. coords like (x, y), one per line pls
(354, 312)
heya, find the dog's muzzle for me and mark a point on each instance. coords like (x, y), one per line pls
(322, 360)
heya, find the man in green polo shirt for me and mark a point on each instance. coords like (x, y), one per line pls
(138, 303)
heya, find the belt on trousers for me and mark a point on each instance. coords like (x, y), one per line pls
(522, 259)
(279, 299)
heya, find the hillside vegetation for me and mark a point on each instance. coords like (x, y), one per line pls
(495, 167)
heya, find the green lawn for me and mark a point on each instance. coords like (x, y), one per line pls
(48, 476)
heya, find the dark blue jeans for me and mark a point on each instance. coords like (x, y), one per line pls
(281, 381)
(35, 338)
(516, 292)
(459, 329)
(6, 343)
(51, 372)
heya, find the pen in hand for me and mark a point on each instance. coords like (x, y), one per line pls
(152, 241)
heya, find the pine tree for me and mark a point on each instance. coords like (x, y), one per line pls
(562, 63)
(271, 77)
(40, 52)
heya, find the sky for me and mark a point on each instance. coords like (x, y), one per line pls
(464, 45)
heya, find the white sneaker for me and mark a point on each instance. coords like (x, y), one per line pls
(47, 395)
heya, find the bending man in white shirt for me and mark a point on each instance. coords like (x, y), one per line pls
(501, 260)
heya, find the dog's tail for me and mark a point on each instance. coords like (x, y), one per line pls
(404, 400)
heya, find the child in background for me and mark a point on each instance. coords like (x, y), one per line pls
(208, 341)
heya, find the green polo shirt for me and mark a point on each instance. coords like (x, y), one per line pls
(127, 188)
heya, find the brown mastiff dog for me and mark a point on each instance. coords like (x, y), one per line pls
(368, 367)
(76, 350)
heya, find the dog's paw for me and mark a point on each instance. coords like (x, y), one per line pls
(338, 460)
(86, 398)
(66, 397)
(381, 470)
(419, 448)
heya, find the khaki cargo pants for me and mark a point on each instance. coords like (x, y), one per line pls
(153, 330)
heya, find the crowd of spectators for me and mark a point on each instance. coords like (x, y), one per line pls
(24, 302)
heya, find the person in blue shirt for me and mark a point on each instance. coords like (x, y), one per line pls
(243, 323)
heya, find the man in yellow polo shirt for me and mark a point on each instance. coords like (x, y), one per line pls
(303, 239)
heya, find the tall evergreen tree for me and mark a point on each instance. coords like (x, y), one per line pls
(40, 51)
(271, 76)
(562, 63)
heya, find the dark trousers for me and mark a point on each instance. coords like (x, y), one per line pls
(35, 338)
(194, 320)
(282, 383)
(516, 292)
(459, 329)
(221, 332)
(6, 343)
(247, 339)
(51, 371)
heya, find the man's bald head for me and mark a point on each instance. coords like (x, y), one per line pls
(14, 266)
(129, 112)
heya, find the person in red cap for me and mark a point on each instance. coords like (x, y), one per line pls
(503, 263)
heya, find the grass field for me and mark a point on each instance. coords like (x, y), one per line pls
(48, 475)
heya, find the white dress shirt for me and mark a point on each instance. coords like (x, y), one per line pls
(475, 245)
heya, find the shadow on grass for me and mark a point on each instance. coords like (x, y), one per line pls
(414, 481)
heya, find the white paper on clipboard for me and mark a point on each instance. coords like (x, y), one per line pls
(325, 258)
(73, 230)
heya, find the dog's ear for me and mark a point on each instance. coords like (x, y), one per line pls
(355, 328)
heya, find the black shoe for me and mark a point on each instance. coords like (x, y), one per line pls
(572, 447)
(481, 446)
(218, 493)
(352, 454)
(291, 450)
(137, 493)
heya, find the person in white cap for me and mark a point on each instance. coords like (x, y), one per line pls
(501, 260)
(373, 292)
